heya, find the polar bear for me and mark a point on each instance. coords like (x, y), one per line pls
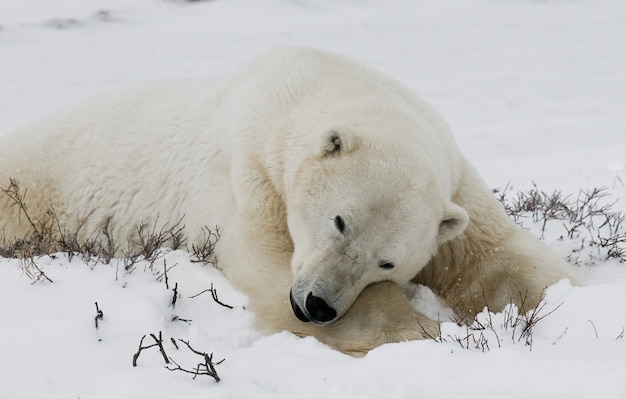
(332, 186)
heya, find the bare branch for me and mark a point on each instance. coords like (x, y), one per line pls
(205, 250)
(206, 367)
(174, 295)
(99, 315)
(158, 342)
(594, 328)
(213, 292)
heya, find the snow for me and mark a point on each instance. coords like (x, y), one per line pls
(534, 91)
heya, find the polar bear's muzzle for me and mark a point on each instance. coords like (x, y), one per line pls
(315, 309)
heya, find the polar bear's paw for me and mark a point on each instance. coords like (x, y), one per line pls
(381, 315)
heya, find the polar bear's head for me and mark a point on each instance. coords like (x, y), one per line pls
(360, 211)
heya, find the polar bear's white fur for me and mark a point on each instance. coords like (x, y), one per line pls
(332, 186)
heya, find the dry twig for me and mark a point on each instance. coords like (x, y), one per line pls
(213, 292)
(158, 342)
(204, 252)
(206, 367)
(99, 315)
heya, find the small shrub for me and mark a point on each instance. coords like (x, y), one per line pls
(53, 237)
(588, 221)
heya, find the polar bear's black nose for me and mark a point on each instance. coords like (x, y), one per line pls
(296, 309)
(318, 309)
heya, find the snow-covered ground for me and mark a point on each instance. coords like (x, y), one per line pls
(534, 91)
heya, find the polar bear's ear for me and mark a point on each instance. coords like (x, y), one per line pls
(337, 141)
(454, 222)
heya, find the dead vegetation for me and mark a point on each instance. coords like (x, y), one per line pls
(205, 367)
(587, 221)
(489, 329)
(42, 239)
(204, 251)
(52, 237)
(145, 249)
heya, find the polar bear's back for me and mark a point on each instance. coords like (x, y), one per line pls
(129, 153)
(145, 113)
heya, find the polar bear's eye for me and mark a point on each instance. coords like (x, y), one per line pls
(340, 224)
(386, 265)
